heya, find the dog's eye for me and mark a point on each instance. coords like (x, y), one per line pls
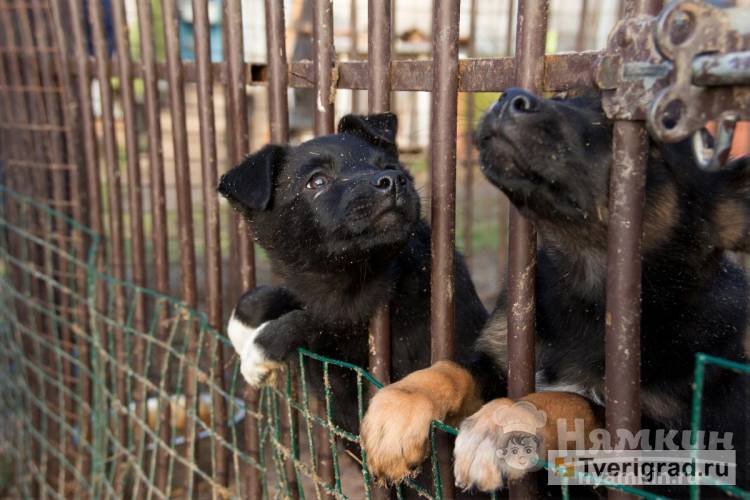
(318, 181)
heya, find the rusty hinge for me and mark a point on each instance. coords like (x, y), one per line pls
(679, 70)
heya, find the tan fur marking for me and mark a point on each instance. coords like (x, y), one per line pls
(731, 222)
(481, 435)
(396, 426)
(660, 218)
(493, 340)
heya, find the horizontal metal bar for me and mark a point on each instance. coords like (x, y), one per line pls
(562, 72)
(722, 69)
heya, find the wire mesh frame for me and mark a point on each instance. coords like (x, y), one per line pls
(86, 447)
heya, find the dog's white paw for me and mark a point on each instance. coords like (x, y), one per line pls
(255, 366)
(497, 445)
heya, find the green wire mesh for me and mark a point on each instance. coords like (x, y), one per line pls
(112, 390)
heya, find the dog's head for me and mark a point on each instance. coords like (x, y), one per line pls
(331, 201)
(552, 158)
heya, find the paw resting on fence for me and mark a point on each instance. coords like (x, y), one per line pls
(259, 331)
(506, 439)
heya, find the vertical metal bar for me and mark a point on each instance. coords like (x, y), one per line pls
(530, 38)
(135, 198)
(114, 197)
(278, 79)
(511, 22)
(323, 55)
(183, 186)
(468, 208)
(53, 110)
(323, 62)
(239, 121)
(583, 27)
(278, 115)
(183, 189)
(69, 106)
(135, 213)
(503, 208)
(623, 317)
(158, 211)
(379, 101)
(622, 339)
(443, 152)
(531, 33)
(90, 154)
(211, 215)
(354, 52)
(445, 26)
(92, 183)
(36, 73)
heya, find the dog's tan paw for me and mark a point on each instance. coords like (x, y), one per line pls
(498, 444)
(395, 431)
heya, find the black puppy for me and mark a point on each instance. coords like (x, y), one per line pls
(340, 219)
(552, 159)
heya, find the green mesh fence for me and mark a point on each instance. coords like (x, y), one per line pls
(111, 390)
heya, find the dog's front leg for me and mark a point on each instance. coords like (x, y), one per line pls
(505, 439)
(397, 424)
(265, 328)
(265, 349)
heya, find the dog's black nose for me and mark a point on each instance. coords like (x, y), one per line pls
(388, 181)
(518, 101)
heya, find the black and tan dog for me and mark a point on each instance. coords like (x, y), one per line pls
(339, 217)
(552, 159)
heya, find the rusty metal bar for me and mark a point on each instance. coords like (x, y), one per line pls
(135, 209)
(623, 325)
(354, 51)
(211, 219)
(158, 212)
(91, 182)
(323, 65)
(42, 109)
(183, 188)
(622, 340)
(183, 184)
(379, 101)
(56, 112)
(443, 188)
(563, 72)
(239, 121)
(443, 152)
(278, 79)
(468, 206)
(115, 209)
(278, 115)
(531, 34)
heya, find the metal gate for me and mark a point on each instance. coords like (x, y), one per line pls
(112, 387)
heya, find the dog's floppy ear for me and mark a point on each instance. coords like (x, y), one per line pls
(377, 129)
(250, 184)
(730, 209)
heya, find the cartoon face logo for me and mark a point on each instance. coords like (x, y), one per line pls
(519, 443)
(521, 452)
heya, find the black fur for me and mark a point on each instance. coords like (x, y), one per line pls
(343, 249)
(552, 159)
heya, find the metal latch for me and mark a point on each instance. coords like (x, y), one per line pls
(679, 70)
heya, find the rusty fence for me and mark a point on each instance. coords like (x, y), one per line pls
(114, 384)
